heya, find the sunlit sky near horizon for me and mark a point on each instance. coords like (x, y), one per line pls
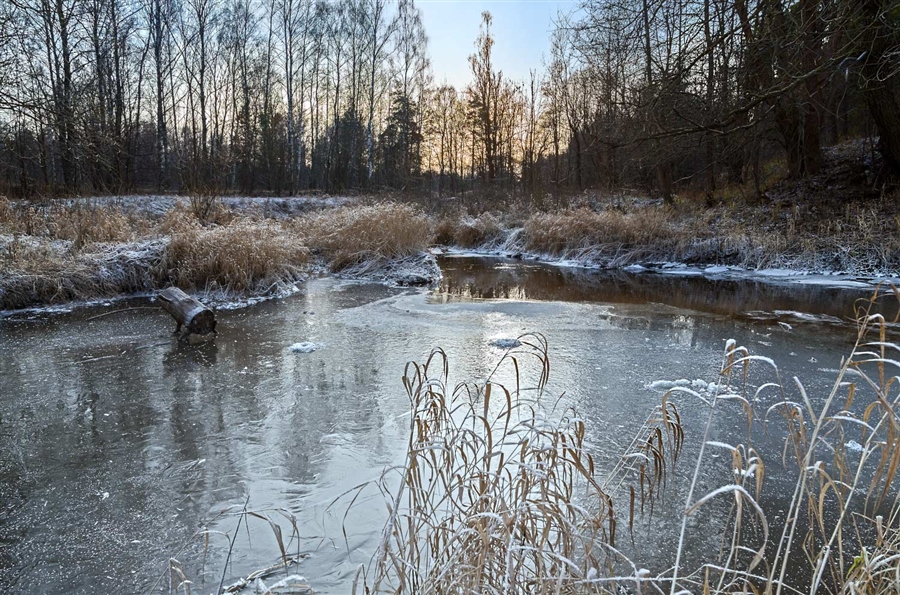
(521, 30)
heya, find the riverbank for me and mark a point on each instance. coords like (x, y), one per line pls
(242, 248)
(79, 250)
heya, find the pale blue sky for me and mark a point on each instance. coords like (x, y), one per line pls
(521, 31)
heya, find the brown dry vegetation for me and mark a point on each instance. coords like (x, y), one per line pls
(499, 491)
(34, 272)
(349, 236)
(857, 237)
(473, 232)
(241, 256)
(61, 252)
(81, 223)
(584, 231)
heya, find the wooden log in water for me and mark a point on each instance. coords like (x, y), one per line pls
(196, 322)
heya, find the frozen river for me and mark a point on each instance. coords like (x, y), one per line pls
(118, 446)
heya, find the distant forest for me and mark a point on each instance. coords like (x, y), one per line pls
(289, 96)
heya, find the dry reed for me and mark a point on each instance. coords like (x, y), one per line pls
(584, 230)
(498, 492)
(351, 236)
(34, 271)
(241, 256)
(81, 223)
(481, 231)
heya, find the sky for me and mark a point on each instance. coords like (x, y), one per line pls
(521, 30)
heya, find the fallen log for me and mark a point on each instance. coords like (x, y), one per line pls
(195, 322)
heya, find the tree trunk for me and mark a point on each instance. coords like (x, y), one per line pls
(196, 322)
(881, 84)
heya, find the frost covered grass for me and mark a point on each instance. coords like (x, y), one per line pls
(481, 231)
(351, 236)
(625, 237)
(240, 256)
(81, 223)
(499, 491)
(79, 250)
(859, 238)
(37, 271)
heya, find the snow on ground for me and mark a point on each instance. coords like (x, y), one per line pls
(419, 270)
(157, 205)
(854, 446)
(786, 319)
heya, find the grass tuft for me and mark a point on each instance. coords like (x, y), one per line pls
(80, 223)
(241, 256)
(474, 232)
(583, 230)
(498, 491)
(351, 236)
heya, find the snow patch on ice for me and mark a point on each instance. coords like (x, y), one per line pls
(305, 347)
(806, 317)
(854, 446)
(505, 343)
(667, 384)
(697, 384)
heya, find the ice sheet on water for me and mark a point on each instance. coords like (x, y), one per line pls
(305, 347)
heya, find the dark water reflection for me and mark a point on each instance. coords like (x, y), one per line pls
(117, 444)
(467, 278)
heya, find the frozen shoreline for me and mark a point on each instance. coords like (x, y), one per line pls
(415, 271)
(781, 276)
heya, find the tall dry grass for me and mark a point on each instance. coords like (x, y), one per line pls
(350, 236)
(241, 256)
(37, 272)
(498, 492)
(475, 232)
(56, 252)
(583, 231)
(80, 223)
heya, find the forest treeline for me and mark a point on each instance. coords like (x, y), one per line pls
(287, 96)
